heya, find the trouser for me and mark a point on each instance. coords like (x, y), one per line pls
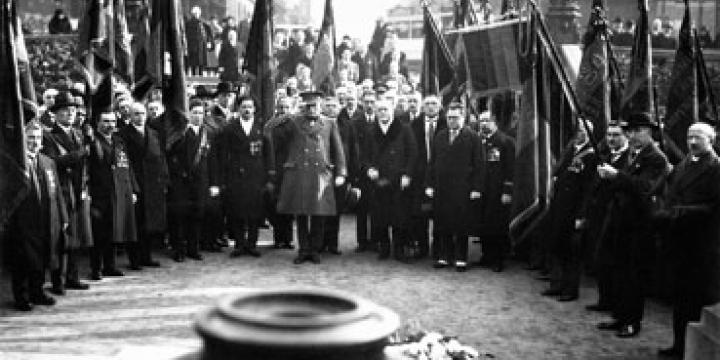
(27, 284)
(363, 219)
(495, 248)
(331, 233)
(381, 231)
(606, 288)
(630, 305)
(246, 232)
(282, 228)
(185, 230)
(420, 233)
(102, 254)
(568, 267)
(310, 231)
(140, 252)
(67, 269)
(213, 223)
(453, 244)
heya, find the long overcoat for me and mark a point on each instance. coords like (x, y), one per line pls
(420, 167)
(496, 169)
(315, 157)
(245, 164)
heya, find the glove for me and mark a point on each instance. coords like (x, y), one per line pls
(430, 192)
(404, 182)
(474, 195)
(339, 181)
(214, 191)
(373, 174)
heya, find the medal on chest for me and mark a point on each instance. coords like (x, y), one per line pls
(493, 154)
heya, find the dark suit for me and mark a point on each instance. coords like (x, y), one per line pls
(393, 155)
(693, 203)
(147, 160)
(453, 173)
(574, 176)
(630, 212)
(68, 152)
(421, 213)
(112, 184)
(245, 166)
(188, 162)
(363, 128)
(35, 231)
(492, 217)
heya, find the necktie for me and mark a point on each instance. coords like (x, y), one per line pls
(633, 156)
(32, 172)
(429, 137)
(453, 135)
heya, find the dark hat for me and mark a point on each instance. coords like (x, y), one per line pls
(62, 100)
(381, 88)
(638, 120)
(224, 87)
(202, 92)
(311, 96)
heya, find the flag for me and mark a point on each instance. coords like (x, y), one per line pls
(174, 96)
(706, 103)
(13, 181)
(438, 66)
(464, 14)
(637, 97)
(149, 47)
(92, 51)
(323, 62)
(681, 102)
(123, 60)
(259, 61)
(593, 82)
(377, 42)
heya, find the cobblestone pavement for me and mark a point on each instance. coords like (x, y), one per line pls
(151, 312)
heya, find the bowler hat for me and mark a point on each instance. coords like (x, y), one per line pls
(311, 96)
(202, 92)
(224, 87)
(637, 120)
(62, 100)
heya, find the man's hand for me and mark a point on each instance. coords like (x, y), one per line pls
(606, 171)
(373, 174)
(134, 198)
(506, 199)
(580, 224)
(430, 192)
(339, 181)
(214, 191)
(404, 182)
(474, 195)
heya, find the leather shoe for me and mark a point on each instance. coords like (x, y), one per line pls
(440, 264)
(567, 298)
(95, 275)
(76, 285)
(43, 300)
(57, 290)
(112, 272)
(597, 307)
(135, 267)
(671, 352)
(628, 331)
(315, 259)
(299, 260)
(551, 292)
(335, 252)
(151, 263)
(23, 306)
(610, 325)
(461, 268)
(253, 252)
(197, 257)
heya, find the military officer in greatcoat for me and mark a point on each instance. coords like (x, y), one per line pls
(315, 165)
(65, 144)
(573, 179)
(636, 185)
(36, 226)
(453, 182)
(693, 211)
(245, 168)
(492, 209)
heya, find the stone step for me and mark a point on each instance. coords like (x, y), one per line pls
(710, 320)
(703, 338)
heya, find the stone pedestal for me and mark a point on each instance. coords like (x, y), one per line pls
(563, 21)
(702, 341)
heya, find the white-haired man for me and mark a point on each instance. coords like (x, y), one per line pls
(694, 214)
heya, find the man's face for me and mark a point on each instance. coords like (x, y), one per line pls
(33, 141)
(384, 112)
(247, 109)
(106, 124)
(226, 99)
(615, 137)
(487, 124)
(413, 104)
(402, 104)
(455, 119)
(49, 100)
(155, 110)
(312, 108)
(332, 108)
(138, 116)
(698, 142)
(197, 114)
(124, 107)
(639, 137)
(350, 102)
(432, 107)
(369, 104)
(65, 116)
(283, 107)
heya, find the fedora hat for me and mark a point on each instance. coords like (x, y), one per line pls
(62, 100)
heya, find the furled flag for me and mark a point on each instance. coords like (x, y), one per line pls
(13, 181)
(323, 62)
(146, 59)
(638, 97)
(92, 48)
(259, 61)
(174, 96)
(681, 102)
(122, 51)
(464, 14)
(593, 82)
(438, 65)
(707, 102)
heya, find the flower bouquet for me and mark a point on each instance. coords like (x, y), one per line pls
(429, 346)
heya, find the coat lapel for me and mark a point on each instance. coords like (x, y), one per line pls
(63, 139)
(692, 172)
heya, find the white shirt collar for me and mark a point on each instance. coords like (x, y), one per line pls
(140, 129)
(620, 150)
(247, 125)
(66, 129)
(385, 127)
(195, 128)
